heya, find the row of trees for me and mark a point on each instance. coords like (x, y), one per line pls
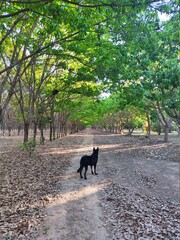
(58, 56)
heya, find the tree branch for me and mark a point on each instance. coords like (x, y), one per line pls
(38, 51)
(11, 29)
(90, 5)
(112, 4)
(31, 2)
(15, 13)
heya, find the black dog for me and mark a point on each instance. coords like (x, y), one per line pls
(89, 160)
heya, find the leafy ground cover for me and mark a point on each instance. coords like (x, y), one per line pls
(27, 182)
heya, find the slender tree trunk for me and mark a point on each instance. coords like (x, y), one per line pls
(26, 131)
(58, 129)
(53, 130)
(119, 128)
(178, 131)
(166, 133)
(51, 123)
(163, 120)
(9, 131)
(66, 129)
(3, 127)
(177, 122)
(131, 130)
(1, 115)
(50, 133)
(42, 139)
(19, 130)
(149, 124)
(35, 131)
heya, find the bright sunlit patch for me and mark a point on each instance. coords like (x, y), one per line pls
(163, 16)
(59, 151)
(79, 193)
(85, 150)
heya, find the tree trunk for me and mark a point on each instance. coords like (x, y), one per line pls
(35, 131)
(178, 126)
(1, 115)
(166, 133)
(42, 139)
(19, 130)
(163, 121)
(51, 130)
(178, 131)
(131, 130)
(9, 131)
(149, 124)
(26, 131)
(177, 122)
(54, 131)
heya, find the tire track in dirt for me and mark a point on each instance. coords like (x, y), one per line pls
(76, 214)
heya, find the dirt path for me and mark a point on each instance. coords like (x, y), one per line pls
(76, 214)
(135, 195)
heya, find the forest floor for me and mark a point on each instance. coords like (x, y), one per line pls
(134, 196)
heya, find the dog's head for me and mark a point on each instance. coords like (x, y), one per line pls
(96, 150)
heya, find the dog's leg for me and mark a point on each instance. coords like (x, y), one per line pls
(86, 168)
(92, 169)
(95, 169)
(81, 173)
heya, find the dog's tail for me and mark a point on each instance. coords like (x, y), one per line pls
(80, 169)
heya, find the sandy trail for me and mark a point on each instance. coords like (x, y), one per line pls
(76, 214)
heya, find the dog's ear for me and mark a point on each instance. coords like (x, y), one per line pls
(98, 149)
(93, 149)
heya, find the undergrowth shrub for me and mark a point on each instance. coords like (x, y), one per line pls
(30, 146)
